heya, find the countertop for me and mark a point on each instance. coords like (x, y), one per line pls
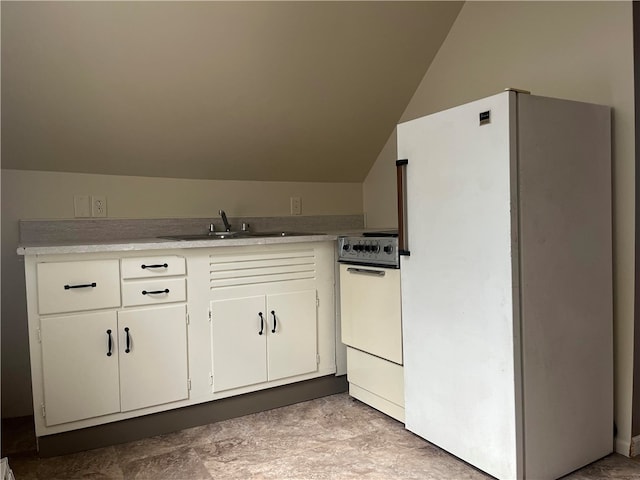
(50, 248)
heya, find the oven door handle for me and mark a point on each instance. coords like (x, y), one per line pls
(366, 271)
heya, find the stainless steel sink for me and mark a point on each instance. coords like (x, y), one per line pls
(279, 234)
(207, 236)
(232, 234)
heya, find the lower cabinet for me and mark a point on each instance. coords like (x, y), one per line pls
(80, 377)
(97, 363)
(114, 336)
(153, 359)
(263, 338)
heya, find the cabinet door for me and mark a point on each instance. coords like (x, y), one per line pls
(80, 377)
(154, 369)
(293, 343)
(239, 342)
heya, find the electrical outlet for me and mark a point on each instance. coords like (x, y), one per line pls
(98, 206)
(296, 205)
(81, 206)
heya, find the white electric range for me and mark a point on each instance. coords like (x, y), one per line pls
(371, 318)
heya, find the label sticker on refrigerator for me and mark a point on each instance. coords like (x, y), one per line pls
(485, 117)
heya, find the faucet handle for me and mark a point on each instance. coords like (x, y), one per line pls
(227, 225)
(212, 228)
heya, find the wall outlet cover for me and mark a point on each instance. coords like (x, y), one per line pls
(98, 206)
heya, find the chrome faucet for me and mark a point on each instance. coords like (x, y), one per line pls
(227, 225)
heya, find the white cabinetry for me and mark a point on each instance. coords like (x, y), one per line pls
(172, 347)
(107, 359)
(76, 286)
(153, 356)
(153, 280)
(291, 334)
(153, 340)
(272, 315)
(239, 347)
(263, 338)
(80, 370)
(151, 267)
(90, 368)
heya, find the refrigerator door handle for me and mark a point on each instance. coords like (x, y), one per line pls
(401, 174)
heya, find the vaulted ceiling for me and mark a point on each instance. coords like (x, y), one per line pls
(292, 91)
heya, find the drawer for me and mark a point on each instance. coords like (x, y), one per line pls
(150, 267)
(76, 286)
(376, 375)
(152, 291)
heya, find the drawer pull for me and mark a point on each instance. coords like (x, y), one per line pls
(160, 265)
(261, 323)
(127, 349)
(366, 271)
(86, 285)
(155, 292)
(273, 312)
(109, 343)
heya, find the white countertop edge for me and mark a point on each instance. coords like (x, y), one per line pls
(164, 244)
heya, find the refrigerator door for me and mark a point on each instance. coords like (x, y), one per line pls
(458, 285)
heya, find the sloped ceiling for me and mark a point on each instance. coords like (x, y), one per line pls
(291, 91)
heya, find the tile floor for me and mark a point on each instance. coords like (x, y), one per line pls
(334, 437)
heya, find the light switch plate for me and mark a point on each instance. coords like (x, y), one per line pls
(81, 206)
(296, 206)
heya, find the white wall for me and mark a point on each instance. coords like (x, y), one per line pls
(575, 50)
(379, 189)
(49, 195)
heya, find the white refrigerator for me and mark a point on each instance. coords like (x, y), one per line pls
(507, 285)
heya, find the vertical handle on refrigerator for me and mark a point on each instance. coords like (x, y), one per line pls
(401, 173)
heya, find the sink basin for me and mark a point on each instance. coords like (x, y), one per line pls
(230, 235)
(206, 236)
(279, 234)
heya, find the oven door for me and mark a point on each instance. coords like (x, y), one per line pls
(370, 310)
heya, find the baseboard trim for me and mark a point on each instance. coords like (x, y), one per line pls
(623, 447)
(173, 420)
(635, 446)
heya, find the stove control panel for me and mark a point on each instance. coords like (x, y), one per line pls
(374, 251)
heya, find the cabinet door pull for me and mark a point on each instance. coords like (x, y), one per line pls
(127, 350)
(159, 265)
(109, 343)
(85, 285)
(273, 313)
(155, 292)
(261, 323)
